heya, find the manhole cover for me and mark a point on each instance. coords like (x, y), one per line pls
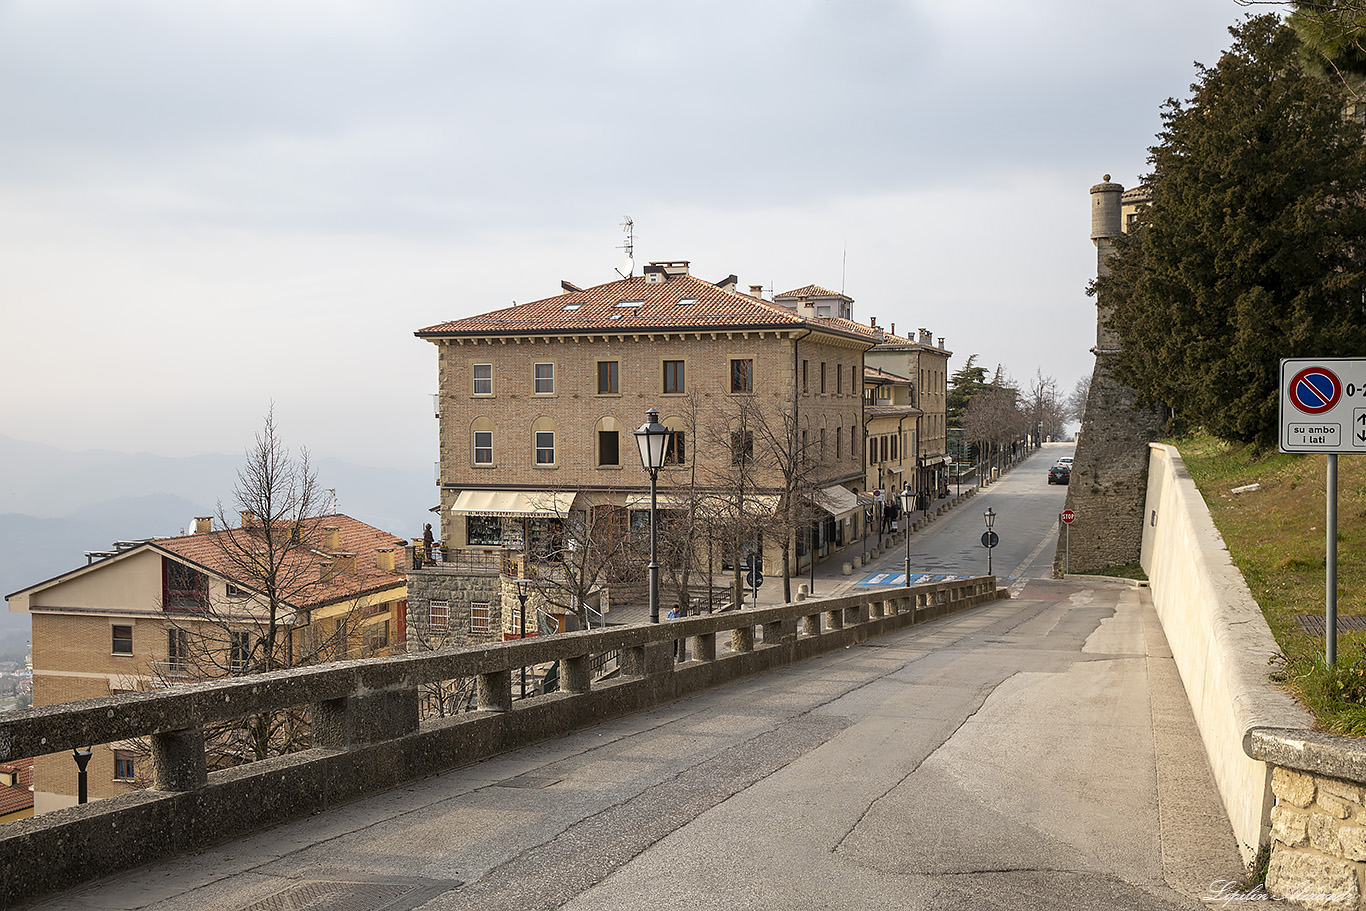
(527, 781)
(1317, 625)
(342, 896)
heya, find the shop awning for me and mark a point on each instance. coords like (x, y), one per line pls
(666, 501)
(513, 503)
(838, 501)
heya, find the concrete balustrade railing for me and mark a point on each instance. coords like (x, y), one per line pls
(367, 734)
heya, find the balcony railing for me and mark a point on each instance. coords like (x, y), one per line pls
(367, 733)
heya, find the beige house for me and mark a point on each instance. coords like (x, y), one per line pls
(162, 611)
(538, 404)
(891, 418)
(927, 366)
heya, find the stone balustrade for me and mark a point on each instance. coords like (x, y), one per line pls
(367, 734)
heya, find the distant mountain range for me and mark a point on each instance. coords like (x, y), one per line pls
(55, 505)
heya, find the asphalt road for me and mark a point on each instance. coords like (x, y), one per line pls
(1035, 754)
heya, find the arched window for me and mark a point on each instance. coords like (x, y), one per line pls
(543, 451)
(482, 452)
(607, 443)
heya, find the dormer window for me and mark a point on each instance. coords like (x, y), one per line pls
(687, 302)
(570, 308)
(630, 305)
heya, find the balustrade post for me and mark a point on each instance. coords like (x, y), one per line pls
(178, 762)
(576, 674)
(369, 718)
(834, 619)
(495, 691)
(704, 647)
(779, 630)
(811, 625)
(856, 614)
(742, 639)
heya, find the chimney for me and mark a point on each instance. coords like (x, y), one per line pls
(893, 329)
(729, 282)
(346, 564)
(248, 517)
(756, 291)
(926, 337)
(806, 309)
(384, 559)
(879, 333)
(941, 342)
(332, 537)
(326, 569)
(203, 525)
(872, 321)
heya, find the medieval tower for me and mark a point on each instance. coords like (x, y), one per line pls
(1110, 469)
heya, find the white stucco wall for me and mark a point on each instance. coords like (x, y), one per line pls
(1219, 639)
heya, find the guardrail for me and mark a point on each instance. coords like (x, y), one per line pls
(367, 735)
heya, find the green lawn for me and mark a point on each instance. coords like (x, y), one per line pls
(1276, 535)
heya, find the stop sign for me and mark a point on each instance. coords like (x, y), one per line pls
(1068, 516)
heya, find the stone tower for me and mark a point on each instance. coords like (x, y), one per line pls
(1110, 472)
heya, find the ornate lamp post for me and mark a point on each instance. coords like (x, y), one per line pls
(522, 585)
(651, 437)
(908, 504)
(990, 516)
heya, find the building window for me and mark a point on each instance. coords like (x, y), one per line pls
(545, 447)
(240, 654)
(609, 447)
(895, 440)
(742, 375)
(183, 588)
(481, 618)
(607, 378)
(822, 377)
(839, 380)
(869, 395)
(545, 379)
(822, 444)
(376, 636)
(675, 449)
(177, 650)
(123, 640)
(741, 447)
(673, 376)
(483, 379)
(839, 437)
(806, 386)
(124, 765)
(438, 616)
(852, 439)
(483, 447)
(484, 530)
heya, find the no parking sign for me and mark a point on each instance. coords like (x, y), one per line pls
(1323, 405)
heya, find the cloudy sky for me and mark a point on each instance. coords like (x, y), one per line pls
(206, 207)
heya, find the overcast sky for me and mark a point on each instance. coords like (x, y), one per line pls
(208, 206)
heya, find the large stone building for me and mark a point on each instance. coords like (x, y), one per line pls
(163, 611)
(538, 403)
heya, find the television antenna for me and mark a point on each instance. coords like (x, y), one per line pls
(628, 265)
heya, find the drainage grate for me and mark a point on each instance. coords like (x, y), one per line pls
(315, 895)
(1317, 625)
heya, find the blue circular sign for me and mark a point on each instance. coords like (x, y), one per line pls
(1315, 390)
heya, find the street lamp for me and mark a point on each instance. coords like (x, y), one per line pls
(651, 437)
(907, 504)
(990, 516)
(521, 617)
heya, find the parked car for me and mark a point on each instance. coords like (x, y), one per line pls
(1060, 474)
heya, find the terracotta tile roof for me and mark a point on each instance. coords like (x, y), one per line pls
(812, 291)
(868, 332)
(633, 305)
(305, 563)
(20, 796)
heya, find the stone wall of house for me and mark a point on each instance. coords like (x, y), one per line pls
(460, 586)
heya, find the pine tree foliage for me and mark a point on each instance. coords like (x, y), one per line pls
(1251, 249)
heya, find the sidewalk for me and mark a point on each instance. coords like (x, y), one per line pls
(830, 578)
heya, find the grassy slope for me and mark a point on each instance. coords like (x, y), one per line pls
(1277, 538)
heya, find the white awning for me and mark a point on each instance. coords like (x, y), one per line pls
(666, 501)
(513, 503)
(895, 469)
(838, 501)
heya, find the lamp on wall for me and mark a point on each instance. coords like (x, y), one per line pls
(651, 437)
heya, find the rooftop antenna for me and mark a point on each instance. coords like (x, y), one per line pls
(844, 262)
(628, 265)
(333, 492)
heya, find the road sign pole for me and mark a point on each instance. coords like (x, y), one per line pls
(1067, 549)
(1331, 563)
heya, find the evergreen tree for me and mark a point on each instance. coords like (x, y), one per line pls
(1251, 249)
(965, 384)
